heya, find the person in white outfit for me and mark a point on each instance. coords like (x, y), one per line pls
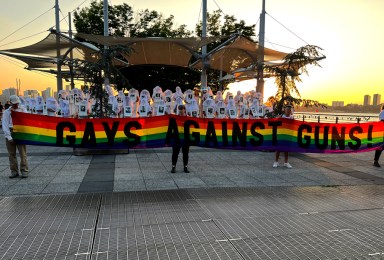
(7, 126)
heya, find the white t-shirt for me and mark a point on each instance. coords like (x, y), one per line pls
(289, 117)
(381, 115)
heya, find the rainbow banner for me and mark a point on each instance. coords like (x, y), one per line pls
(160, 131)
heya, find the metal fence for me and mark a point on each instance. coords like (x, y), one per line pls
(335, 117)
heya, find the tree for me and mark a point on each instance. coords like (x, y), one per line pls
(121, 22)
(224, 26)
(124, 22)
(288, 73)
(153, 24)
(90, 20)
(218, 25)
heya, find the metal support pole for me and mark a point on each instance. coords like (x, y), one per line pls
(204, 48)
(260, 55)
(58, 55)
(106, 33)
(71, 53)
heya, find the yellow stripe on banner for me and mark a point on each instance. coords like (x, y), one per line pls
(45, 132)
(35, 130)
(148, 131)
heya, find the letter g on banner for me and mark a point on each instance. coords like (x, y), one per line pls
(60, 134)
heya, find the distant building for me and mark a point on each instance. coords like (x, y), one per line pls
(47, 93)
(337, 103)
(31, 93)
(7, 93)
(367, 100)
(376, 99)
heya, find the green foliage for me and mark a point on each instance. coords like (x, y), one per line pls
(287, 74)
(153, 24)
(91, 20)
(224, 26)
(124, 22)
(219, 25)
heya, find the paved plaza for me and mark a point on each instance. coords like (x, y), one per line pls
(232, 205)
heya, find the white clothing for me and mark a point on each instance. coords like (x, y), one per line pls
(381, 115)
(289, 117)
(7, 123)
(209, 108)
(192, 109)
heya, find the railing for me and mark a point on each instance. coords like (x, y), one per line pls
(335, 117)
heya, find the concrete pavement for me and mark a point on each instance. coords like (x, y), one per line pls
(232, 205)
(55, 170)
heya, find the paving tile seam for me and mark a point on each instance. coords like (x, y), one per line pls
(312, 213)
(291, 234)
(234, 247)
(52, 154)
(105, 181)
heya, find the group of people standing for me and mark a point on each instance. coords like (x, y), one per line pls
(182, 102)
(198, 103)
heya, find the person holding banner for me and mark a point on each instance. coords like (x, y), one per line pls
(7, 126)
(184, 147)
(380, 149)
(287, 114)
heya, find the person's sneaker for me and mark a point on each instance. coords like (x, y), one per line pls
(24, 175)
(376, 163)
(173, 169)
(275, 164)
(287, 165)
(14, 175)
(186, 169)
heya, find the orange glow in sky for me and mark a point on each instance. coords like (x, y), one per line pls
(348, 31)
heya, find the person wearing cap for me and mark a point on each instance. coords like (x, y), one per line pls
(184, 147)
(11, 145)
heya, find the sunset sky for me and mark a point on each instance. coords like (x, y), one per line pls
(350, 32)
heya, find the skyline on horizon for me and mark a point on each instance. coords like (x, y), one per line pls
(352, 46)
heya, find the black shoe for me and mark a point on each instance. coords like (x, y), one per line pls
(376, 163)
(13, 176)
(173, 169)
(186, 169)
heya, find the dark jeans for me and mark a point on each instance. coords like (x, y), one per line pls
(176, 151)
(377, 154)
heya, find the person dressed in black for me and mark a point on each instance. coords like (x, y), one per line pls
(1, 110)
(176, 148)
(380, 149)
